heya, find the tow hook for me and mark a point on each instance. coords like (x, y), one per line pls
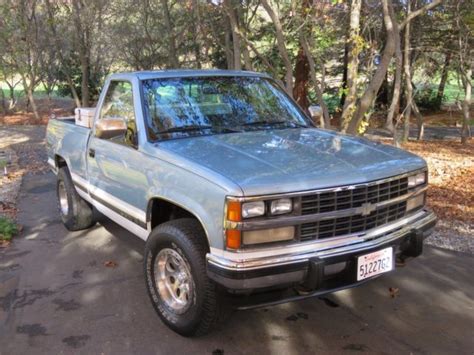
(315, 275)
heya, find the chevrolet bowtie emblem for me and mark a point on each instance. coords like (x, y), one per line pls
(367, 208)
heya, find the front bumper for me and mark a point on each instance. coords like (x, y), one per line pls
(321, 265)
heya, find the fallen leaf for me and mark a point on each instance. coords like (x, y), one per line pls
(394, 292)
(110, 263)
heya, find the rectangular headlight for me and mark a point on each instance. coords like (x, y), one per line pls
(281, 206)
(268, 235)
(417, 179)
(253, 209)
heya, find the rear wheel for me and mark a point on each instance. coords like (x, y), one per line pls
(75, 212)
(175, 270)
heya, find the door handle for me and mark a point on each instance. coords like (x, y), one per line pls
(92, 153)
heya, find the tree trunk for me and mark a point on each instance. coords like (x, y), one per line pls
(419, 121)
(370, 93)
(300, 90)
(316, 84)
(281, 46)
(466, 105)
(407, 71)
(83, 49)
(75, 96)
(395, 104)
(228, 50)
(85, 80)
(344, 76)
(4, 105)
(29, 89)
(352, 64)
(11, 97)
(243, 44)
(235, 33)
(444, 78)
(173, 58)
(197, 30)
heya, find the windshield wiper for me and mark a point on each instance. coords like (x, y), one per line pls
(274, 123)
(186, 128)
(189, 128)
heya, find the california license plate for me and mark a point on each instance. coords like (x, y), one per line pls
(374, 263)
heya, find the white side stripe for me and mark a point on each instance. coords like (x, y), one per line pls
(122, 221)
(112, 200)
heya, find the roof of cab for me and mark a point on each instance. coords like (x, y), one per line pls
(182, 73)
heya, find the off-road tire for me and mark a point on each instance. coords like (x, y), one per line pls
(187, 237)
(79, 213)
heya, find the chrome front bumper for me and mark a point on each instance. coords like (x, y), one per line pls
(280, 265)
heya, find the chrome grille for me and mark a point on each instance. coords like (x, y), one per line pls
(344, 199)
(352, 224)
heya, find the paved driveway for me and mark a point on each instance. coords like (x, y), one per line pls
(56, 296)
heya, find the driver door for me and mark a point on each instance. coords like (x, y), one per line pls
(118, 183)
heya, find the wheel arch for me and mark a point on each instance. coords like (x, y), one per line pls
(161, 210)
(59, 161)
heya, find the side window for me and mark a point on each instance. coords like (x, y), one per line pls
(118, 103)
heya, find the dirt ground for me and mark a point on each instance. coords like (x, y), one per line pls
(46, 107)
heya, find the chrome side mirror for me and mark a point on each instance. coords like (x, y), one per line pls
(315, 111)
(110, 127)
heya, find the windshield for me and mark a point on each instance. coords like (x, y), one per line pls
(184, 107)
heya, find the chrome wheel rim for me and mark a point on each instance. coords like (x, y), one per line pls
(62, 196)
(174, 280)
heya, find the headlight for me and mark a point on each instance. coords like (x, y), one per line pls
(417, 179)
(253, 209)
(281, 206)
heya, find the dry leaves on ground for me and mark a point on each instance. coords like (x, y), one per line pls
(451, 178)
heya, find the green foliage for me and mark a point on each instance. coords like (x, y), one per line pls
(96, 79)
(8, 229)
(427, 98)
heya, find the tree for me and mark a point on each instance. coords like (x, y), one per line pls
(354, 46)
(465, 27)
(281, 46)
(22, 38)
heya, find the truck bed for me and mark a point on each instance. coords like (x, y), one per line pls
(66, 139)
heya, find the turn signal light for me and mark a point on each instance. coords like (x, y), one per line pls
(233, 238)
(234, 211)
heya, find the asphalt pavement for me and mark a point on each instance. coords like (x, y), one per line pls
(58, 296)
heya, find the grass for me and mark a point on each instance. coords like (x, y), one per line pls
(8, 229)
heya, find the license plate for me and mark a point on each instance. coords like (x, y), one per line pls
(374, 263)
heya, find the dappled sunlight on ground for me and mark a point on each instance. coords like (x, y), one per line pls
(55, 106)
(451, 177)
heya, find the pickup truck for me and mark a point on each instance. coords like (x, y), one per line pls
(240, 199)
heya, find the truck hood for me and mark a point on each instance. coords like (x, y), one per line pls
(288, 160)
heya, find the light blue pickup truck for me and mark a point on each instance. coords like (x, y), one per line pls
(242, 202)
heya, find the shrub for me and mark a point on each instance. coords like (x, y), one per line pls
(8, 229)
(427, 98)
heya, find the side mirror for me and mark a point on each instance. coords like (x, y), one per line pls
(110, 127)
(315, 111)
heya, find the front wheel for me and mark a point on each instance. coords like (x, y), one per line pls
(175, 270)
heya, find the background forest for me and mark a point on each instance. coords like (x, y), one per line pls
(365, 63)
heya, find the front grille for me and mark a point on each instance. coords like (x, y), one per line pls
(352, 224)
(353, 198)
